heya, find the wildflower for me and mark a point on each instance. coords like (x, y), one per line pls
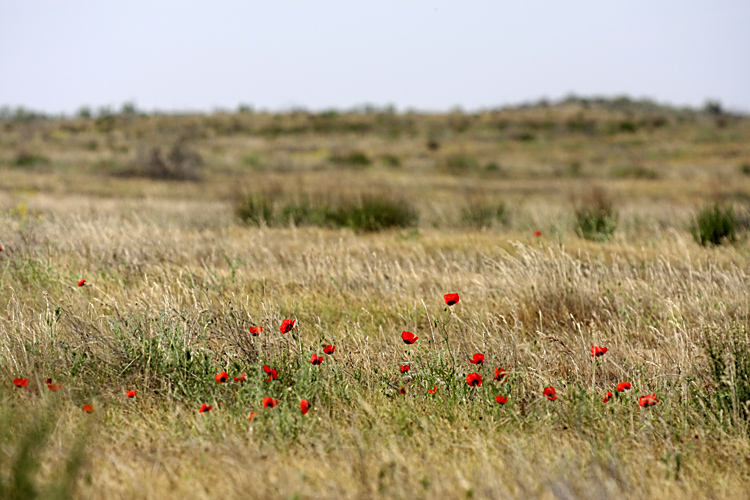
(450, 298)
(404, 368)
(474, 379)
(648, 400)
(402, 391)
(500, 375)
(286, 326)
(250, 417)
(623, 386)
(537, 233)
(131, 394)
(607, 397)
(20, 382)
(269, 402)
(315, 359)
(408, 337)
(598, 351)
(329, 349)
(255, 330)
(205, 408)
(433, 390)
(222, 377)
(88, 408)
(501, 399)
(550, 393)
(478, 359)
(54, 387)
(241, 378)
(81, 282)
(304, 406)
(48, 381)
(272, 374)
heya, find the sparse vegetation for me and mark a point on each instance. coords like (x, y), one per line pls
(114, 283)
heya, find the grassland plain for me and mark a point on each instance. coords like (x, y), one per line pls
(144, 208)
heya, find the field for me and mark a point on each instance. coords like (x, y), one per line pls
(190, 229)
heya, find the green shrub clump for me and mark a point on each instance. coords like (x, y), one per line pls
(715, 224)
(367, 213)
(596, 219)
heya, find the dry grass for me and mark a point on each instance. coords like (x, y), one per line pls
(171, 271)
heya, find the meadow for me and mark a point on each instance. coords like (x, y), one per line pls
(139, 251)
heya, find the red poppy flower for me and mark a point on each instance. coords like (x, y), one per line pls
(501, 399)
(648, 400)
(255, 330)
(433, 390)
(408, 337)
(131, 394)
(478, 359)
(402, 390)
(315, 359)
(450, 298)
(598, 351)
(304, 406)
(48, 381)
(329, 349)
(623, 386)
(269, 402)
(205, 408)
(250, 417)
(500, 375)
(550, 393)
(474, 379)
(241, 378)
(404, 368)
(272, 374)
(286, 326)
(222, 377)
(537, 233)
(20, 382)
(88, 408)
(54, 387)
(607, 397)
(82, 282)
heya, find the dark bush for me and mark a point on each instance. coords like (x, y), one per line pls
(596, 218)
(459, 164)
(354, 159)
(26, 159)
(715, 224)
(177, 163)
(364, 214)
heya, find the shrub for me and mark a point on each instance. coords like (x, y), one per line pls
(459, 164)
(255, 208)
(178, 163)
(394, 161)
(364, 214)
(745, 169)
(596, 218)
(484, 215)
(714, 224)
(26, 159)
(355, 159)
(375, 213)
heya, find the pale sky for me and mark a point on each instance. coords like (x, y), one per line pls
(57, 56)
